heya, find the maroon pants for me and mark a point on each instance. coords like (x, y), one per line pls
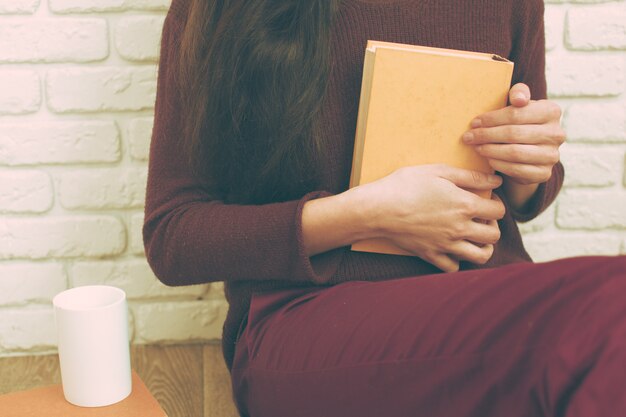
(526, 340)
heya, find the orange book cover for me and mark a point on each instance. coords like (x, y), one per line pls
(416, 102)
(50, 402)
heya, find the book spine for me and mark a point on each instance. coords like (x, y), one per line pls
(361, 125)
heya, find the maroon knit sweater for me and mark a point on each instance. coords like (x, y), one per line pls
(190, 239)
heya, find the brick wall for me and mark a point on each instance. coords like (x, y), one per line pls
(77, 89)
(586, 71)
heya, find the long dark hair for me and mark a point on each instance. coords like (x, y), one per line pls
(253, 76)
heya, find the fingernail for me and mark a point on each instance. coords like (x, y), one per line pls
(476, 123)
(519, 96)
(494, 179)
(468, 137)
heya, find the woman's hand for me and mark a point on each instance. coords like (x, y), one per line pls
(427, 211)
(520, 141)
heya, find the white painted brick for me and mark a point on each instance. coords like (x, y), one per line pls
(593, 27)
(27, 329)
(131, 326)
(30, 282)
(133, 276)
(19, 91)
(572, 76)
(18, 6)
(539, 223)
(554, 18)
(591, 165)
(53, 40)
(25, 191)
(59, 142)
(102, 188)
(595, 122)
(136, 234)
(591, 210)
(139, 136)
(547, 247)
(101, 89)
(62, 237)
(89, 6)
(179, 321)
(138, 38)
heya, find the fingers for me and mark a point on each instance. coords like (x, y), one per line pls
(519, 95)
(536, 112)
(468, 251)
(464, 178)
(522, 154)
(551, 133)
(444, 262)
(475, 206)
(462, 250)
(481, 208)
(477, 247)
(483, 233)
(523, 173)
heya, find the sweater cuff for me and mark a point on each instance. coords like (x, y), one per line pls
(543, 197)
(319, 268)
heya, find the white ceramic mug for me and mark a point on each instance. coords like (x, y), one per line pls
(94, 352)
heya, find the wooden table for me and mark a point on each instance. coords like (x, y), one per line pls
(188, 380)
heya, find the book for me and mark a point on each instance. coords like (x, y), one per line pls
(49, 401)
(416, 102)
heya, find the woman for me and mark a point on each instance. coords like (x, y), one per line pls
(250, 158)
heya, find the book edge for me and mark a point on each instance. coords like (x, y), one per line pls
(374, 45)
(361, 125)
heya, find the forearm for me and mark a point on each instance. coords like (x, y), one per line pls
(334, 221)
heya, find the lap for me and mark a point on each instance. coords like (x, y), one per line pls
(437, 335)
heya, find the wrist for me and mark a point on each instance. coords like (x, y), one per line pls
(364, 212)
(335, 221)
(518, 195)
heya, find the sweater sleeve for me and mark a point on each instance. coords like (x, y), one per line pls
(528, 54)
(192, 239)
